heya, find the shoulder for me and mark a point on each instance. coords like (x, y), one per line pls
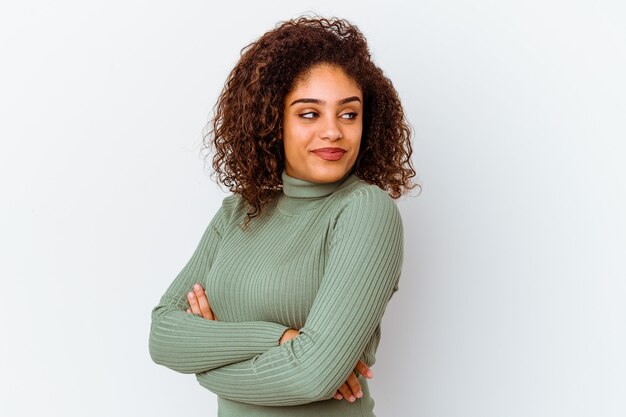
(232, 207)
(232, 203)
(368, 196)
(360, 201)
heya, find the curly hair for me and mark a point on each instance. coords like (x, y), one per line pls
(247, 126)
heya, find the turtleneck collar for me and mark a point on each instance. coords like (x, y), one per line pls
(297, 188)
(302, 195)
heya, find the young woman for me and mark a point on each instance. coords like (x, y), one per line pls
(278, 310)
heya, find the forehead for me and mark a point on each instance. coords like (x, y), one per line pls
(327, 81)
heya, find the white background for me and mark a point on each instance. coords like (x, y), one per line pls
(512, 299)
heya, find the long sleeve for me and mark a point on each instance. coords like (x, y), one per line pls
(362, 273)
(190, 344)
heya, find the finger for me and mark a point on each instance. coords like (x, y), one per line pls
(203, 302)
(189, 311)
(338, 395)
(347, 393)
(355, 385)
(363, 369)
(193, 303)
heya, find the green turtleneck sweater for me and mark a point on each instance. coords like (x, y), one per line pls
(321, 258)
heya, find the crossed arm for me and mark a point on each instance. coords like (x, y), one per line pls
(350, 390)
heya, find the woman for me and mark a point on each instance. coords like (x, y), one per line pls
(278, 310)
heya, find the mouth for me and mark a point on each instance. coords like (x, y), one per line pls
(330, 154)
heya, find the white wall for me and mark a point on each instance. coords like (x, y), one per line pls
(512, 297)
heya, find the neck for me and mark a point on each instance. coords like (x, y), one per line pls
(299, 188)
(302, 195)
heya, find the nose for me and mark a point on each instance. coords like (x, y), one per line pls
(330, 129)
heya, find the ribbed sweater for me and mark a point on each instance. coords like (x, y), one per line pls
(321, 258)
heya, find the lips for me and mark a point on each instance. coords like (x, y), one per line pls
(330, 154)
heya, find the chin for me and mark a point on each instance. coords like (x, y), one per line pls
(326, 174)
(323, 172)
(326, 178)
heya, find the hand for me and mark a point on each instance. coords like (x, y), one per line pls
(199, 303)
(288, 335)
(351, 389)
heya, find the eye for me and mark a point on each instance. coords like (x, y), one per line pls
(349, 116)
(308, 115)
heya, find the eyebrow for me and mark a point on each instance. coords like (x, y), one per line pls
(318, 101)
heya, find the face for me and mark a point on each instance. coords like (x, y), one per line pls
(322, 125)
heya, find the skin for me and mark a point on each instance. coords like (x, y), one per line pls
(323, 109)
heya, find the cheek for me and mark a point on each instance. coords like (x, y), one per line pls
(289, 150)
(293, 146)
(357, 137)
(295, 139)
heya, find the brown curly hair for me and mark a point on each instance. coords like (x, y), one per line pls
(247, 126)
